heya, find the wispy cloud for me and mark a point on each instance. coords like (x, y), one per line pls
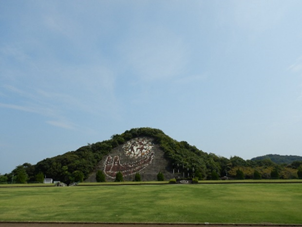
(19, 107)
(85, 89)
(297, 66)
(61, 124)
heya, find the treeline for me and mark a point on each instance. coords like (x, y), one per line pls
(75, 166)
(279, 159)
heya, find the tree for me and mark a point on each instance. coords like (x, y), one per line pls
(214, 175)
(237, 161)
(21, 175)
(160, 176)
(119, 177)
(137, 177)
(296, 164)
(3, 179)
(239, 174)
(100, 176)
(257, 175)
(275, 174)
(300, 172)
(39, 177)
(78, 176)
(65, 175)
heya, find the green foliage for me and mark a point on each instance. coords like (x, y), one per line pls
(119, 177)
(199, 175)
(237, 161)
(77, 176)
(86, 158)
(265, 162)
(100, 176)
(137, 177)
(40, 177)
(195, 180)
(296, 164)
(257, 175)
(3, 179)
(280, 159)
(239, 174)
(172, 181)
(275, 174)
(300, 172)
(160, 176)
(20, 174)
(214, 175)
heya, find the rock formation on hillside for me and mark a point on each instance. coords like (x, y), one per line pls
(138, 155)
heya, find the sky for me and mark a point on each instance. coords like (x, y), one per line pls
(225, 76)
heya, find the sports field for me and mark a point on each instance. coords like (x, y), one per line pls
(203, 203)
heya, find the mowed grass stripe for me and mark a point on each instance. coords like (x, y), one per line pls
(217, 203)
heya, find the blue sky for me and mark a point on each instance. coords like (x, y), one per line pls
(225, 76)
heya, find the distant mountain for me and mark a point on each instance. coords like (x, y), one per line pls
(279, 159)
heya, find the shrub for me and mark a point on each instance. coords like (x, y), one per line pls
(195, 180)
(137, 177)
(100, 176)
(172, 181)
(119, 177)
(160, 176)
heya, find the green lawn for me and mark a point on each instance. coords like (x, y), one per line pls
(213, 203)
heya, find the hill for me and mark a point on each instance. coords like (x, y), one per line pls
(148, 152)
(279, 159)
(145, 150)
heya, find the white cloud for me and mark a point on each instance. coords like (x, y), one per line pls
(61, 124)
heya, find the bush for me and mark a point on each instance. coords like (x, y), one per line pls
(172, 181)
(160, 176)
(137, 177)
(100, 176)
(195, 180)
(119, 177)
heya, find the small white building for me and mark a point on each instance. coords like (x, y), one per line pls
(48, 180)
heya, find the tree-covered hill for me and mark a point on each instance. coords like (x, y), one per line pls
(279, 159)
(79, 164)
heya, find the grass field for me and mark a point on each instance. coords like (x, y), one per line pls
(213, 203)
